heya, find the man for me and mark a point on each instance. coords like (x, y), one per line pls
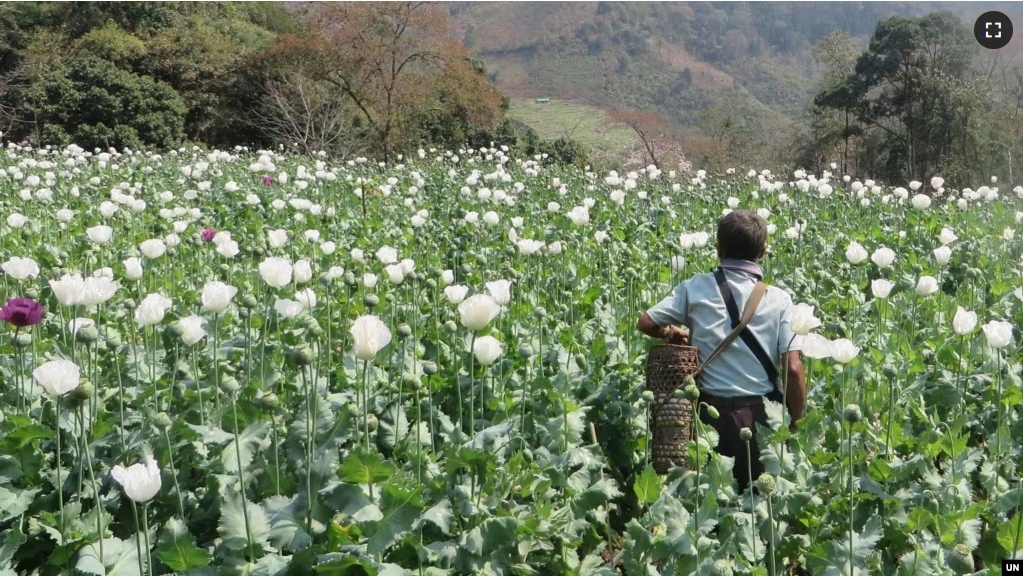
(737, 381)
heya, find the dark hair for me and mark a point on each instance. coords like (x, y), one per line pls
(742, 235)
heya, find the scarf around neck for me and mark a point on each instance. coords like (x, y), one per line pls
(747, 266)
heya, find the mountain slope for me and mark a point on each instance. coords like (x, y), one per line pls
(675, 58)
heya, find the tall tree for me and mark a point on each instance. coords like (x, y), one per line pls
(396, 62)
(916, 85)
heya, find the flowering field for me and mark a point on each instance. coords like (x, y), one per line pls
(217, 363)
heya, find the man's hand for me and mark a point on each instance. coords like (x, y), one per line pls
(676, 336)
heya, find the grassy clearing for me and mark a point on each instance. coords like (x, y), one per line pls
(589, 125)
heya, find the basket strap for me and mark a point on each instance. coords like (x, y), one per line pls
(747, 315)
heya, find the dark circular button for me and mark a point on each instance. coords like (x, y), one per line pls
(993, 30)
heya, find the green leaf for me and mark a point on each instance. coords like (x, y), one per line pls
(177, 548)
(350, 500)
(599, 494)
(119, 558)
(365, 468)
(401, 508)
(252, 439)
(393, 427)
(232, 525)
(648, 486)
(14, 502)
(13, 539)
(344, 564)
(440, 515)
(1010, 536)
(499, 533)
(287, 524)
(16, 439)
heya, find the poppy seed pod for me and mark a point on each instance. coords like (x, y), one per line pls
(161, 420)
(852, 413)
(721, 567)
(429, 368)
(525, 351)
(302, 356)
(450, 327)
(87, 334)
(691, 392)
(84, 391)
(404, 330)
(270, 401)
(580, 360)
(230, 385)
(371, 301)
(960, 559)
(21, 340)
(647, 396)
(32, 294)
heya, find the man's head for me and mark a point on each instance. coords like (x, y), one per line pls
(742, 235)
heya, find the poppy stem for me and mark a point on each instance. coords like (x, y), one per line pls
(60, 484)
(95, 491)
(174, 475)
(145, 533)
(241, 479)
(138, 537)
(365, 402)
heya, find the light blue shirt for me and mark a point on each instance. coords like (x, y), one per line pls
(697, 305)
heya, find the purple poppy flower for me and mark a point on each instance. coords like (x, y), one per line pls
(268, 180)
(208, 234)
(22, 312)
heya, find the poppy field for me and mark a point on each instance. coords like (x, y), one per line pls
(236, 362)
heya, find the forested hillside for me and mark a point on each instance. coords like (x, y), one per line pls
(679, 57)
(892, 91)
(731, 79)
(377, 79)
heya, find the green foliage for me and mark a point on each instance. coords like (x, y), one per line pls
(95, 103)
(132, 73)
(917, 89)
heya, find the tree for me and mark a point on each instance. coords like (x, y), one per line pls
(396, 62)
(655, 138)
(837, 55)
(85, 91)
(307, 114)
(916, 85)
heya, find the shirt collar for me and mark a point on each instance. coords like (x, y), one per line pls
(740, 265)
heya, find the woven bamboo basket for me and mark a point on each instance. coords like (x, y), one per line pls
(672, 419)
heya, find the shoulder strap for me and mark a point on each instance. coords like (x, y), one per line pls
(737, 329)
(747, 337)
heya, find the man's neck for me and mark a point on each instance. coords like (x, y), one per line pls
(743, 265)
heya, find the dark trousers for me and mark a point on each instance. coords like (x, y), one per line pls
(732, 418)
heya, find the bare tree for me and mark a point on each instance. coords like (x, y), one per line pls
(305, 113)
(652, 131)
